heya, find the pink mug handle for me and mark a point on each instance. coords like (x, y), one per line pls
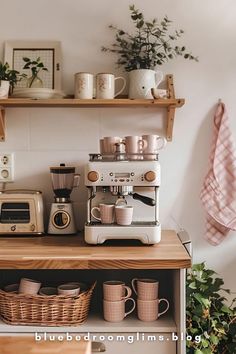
(129, 293)
(132, 309)
(167, 307)
(133, 285)
(95, 217)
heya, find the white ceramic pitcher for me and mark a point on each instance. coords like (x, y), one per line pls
(141, 81)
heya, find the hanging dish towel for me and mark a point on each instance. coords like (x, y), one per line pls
(218, 193)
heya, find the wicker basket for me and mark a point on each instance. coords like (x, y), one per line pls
(55, 310)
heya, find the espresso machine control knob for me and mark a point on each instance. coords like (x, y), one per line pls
(93, 176)
(150, 176)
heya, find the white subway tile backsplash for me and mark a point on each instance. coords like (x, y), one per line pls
(132, 121)
(17, 130)
(64, 129)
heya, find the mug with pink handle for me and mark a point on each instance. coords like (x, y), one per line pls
(134, 145)
(114, 290)
(106, 211)
(145, 289)
(153, 143)
(114, 311)
(148, 310)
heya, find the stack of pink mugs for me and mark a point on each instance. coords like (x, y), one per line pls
(115, 296)
(147, 299)
(135, 147)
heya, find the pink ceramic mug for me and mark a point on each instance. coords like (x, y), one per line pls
(114, 290)
(114, 311)
(148, 310)
(145, 289)
(124, 214)
(106, 213)
(29, 286)
(134, 145)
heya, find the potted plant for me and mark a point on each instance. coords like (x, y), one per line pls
(208, 314)
(140, 53)
(35, 66)
(8, 79)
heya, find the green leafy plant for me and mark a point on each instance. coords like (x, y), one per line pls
(208, 314)
(12, 76)
(150, 45)
(35, 66)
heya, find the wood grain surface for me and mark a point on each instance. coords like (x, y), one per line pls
(28, 345)
(70, 252)
(71, 102)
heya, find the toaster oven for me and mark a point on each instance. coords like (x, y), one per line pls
(21, 212)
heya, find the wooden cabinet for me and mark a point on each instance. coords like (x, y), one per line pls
(69, 258)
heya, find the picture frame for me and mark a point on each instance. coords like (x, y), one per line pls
(49, 53)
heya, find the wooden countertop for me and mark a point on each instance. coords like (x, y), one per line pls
(70, 252)
(22, 345)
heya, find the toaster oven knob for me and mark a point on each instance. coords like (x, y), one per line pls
(150, 176)
(32, 227)
(93, 176)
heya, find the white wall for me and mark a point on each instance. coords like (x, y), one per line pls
(44, 137)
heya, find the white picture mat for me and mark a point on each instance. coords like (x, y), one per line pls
(49, 53)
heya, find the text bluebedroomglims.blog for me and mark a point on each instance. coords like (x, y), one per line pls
(111, 337)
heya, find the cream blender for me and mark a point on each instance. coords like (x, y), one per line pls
(61, 220)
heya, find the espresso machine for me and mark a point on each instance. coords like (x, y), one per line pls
(61, 219)
(115, 179)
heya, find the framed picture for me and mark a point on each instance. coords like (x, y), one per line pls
(49, 53)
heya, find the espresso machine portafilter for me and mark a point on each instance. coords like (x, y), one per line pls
(122, 191)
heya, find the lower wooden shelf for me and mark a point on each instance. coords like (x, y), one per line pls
(95, 323)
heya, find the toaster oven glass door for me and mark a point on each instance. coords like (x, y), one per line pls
(15, 212)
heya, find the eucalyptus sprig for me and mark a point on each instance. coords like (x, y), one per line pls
(208, 313)
(35, 66)
(150, 44)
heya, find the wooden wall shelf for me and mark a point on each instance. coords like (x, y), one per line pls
(170, 104)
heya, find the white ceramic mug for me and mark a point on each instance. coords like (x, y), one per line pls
(83, 85)
(106, 212)
(115, 290)
(134, 145)
(148, 310)
(109, 142)
(124, 214)
(105, 85)
(153, 143)
(114, 311)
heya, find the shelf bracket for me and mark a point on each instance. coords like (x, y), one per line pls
(170, 109)
(170, 122)
(2, 123)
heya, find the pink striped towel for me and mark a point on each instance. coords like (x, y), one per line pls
(218, 193)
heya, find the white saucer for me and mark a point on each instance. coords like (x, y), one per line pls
(37, 93)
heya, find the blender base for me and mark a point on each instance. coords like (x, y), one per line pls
(61, 221)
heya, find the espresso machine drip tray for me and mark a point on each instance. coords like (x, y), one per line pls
(134, 224)
(148, 233)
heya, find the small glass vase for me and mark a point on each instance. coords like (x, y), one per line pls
(34, 82)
